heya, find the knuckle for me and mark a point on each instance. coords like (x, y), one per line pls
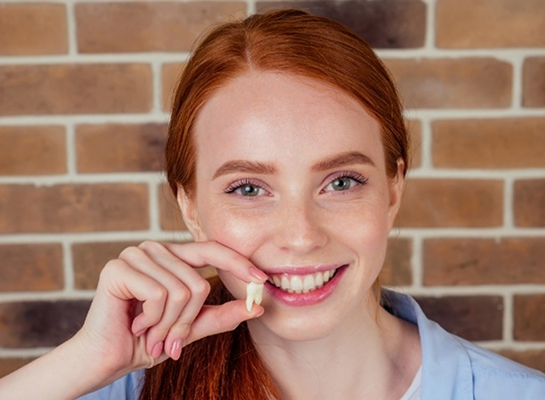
(202, 288)
(130, 252)
(158, 293)
(149, 245)
(180, 295)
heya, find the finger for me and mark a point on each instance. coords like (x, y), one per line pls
(198, 287)
(125, 283)
(202, 254)
(217, 319)
(178, 286)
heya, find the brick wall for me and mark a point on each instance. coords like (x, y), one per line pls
(84, 93)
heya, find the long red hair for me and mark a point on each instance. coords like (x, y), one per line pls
(227, 366)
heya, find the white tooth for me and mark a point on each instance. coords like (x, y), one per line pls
(285, 282)
(254, 293)
(319, 279)
(296, 284)
(277, 280)
(326, 276)
(308, 283)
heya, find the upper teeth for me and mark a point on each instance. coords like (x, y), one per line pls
(301, 283)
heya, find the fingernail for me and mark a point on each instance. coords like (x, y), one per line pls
(256, 273)
(157, 350)
(176, 349)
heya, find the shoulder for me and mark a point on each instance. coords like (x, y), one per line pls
(497, 377)
(125, 388)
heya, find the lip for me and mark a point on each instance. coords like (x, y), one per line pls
(309, 298)
(304, 270)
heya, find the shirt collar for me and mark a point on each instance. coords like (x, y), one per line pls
(446, 366)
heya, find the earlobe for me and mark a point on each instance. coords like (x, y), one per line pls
(190, 214)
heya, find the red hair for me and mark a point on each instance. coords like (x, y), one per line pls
(227, 366)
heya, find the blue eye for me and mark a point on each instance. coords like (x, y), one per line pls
(345, 182)
(245, 189)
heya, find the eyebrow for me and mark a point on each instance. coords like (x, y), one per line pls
(341, 160)
(256, 167)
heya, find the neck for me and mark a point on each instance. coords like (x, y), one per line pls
(376, 356)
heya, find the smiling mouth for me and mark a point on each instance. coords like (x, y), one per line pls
(302, 283)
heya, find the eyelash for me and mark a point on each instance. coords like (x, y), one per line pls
(359, 179)
(239, 184)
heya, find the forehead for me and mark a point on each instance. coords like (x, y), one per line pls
(270, 116)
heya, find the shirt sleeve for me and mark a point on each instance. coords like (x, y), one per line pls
(126, 388)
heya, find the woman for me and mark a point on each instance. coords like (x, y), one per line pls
(287, 152)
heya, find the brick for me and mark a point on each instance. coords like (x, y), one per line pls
(383, 24)
(533, 82)
(31, 267)
(73, 208)
(75, 89)
(120, 147)
(148, 26)
(169, 78)
(33, 29)
(435, 203)
(415, 132)
(529, 199)
(531, 358)
(479, 261)
(476, 318)
(40, 323)
(88, 260)
(8, 365)
(529, 317)
(397, 269)
(472, 83)
(490, 23)
(489, 143)
(32, 150)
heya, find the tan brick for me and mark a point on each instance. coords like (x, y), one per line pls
(31, 267)
(531, 358)
(169, 78)
(397, 269)
(478, 261)
(88, 260)
(489, 143)
(490, 23)
(73, 208)
(75, 89)
(533, 82)
(415, 131)
(8, 365)
(120, 147)
(40, 323)
(471, 317)
(471, 83)
(33, 29)
(32, 150)
(171, 218)
(529, 201)
(383, 24)
(529, 317)
(434, 203)
(121, 27)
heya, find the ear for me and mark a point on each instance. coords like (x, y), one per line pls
(190, 215)
(395, 189)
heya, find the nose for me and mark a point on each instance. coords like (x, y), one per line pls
(300, 227)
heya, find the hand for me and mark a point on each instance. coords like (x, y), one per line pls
(149, 304)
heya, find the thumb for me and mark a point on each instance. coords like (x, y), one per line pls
(217, 319)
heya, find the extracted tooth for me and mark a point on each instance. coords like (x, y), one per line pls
(254, 294)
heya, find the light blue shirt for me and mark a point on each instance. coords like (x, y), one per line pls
(452, 368)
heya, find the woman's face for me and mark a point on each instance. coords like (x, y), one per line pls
(291, 173)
